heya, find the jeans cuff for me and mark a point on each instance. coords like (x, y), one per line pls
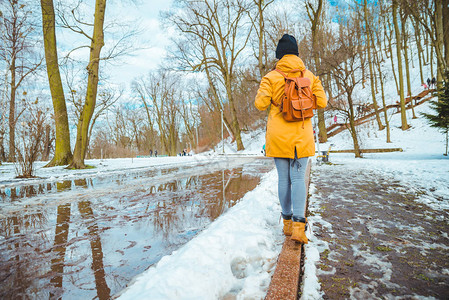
(299, 219)
(286, 217)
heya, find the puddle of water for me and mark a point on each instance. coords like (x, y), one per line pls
(102, 180)
(91, 246)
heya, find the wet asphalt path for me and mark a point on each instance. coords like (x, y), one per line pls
(382, 242)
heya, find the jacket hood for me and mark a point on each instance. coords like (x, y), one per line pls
(290, 62)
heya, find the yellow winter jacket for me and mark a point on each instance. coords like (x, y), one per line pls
(283, 137)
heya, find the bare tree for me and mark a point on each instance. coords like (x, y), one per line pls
(97, 42)
(140, 88)
(107, 97)
(17, 52)
(315, 13)
(371, 47)
(258, 22)
(63, 151)
(218, 31)
(163, 90)
(431, 16)
(190, 116)
(345, 64)
(399, 58)
(3, 123)
(72, 18)
(31, 137)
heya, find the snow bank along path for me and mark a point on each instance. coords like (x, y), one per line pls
(234, 257)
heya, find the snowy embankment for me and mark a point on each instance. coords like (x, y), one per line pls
(234, 257)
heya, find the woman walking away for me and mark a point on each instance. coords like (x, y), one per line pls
(290, 143)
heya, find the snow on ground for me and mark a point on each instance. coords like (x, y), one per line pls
(420, 166)
(234, 258)
(420, 139)
(253, 142)
(310, 288)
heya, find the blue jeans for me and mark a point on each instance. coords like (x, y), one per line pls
(291, 185)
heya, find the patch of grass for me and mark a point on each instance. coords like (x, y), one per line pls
(349, 263)
(87, 167)
(384, 248)
(325, 254)
(324, 267)
(423, 277)
(338, 279)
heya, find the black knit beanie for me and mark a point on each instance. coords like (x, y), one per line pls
(286, 45)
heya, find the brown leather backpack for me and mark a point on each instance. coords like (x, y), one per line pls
(298, 101)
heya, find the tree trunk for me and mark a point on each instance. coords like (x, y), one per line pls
(441, 63)
(447, 139)
(92, 85)
(390, 49)
(63, 152)
(387, 123)
(47, 144)
(261, 35)
(399, 58)
(407, 65)
(420, 49)
(446, 31)
(216, 103)
(362, 63)
(426, 41)
(315, 19)
(2, 148)
(370, 63)
(235, 124)
(352, 129)
(12, 112)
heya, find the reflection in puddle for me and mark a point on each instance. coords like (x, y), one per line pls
(92, 246)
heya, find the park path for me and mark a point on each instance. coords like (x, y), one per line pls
(376, 241)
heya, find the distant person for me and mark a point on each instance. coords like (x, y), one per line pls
(151, 152)
(424, 86)
(428, 82)
(290, 143)
(155, 153)
(335, 119)
(434, 81)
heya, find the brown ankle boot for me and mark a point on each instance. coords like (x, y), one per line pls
(287, 227)
(299, 232)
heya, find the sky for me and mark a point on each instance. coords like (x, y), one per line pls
(150, 43)
(152, 38)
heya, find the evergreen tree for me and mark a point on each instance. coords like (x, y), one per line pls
(441, 119)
